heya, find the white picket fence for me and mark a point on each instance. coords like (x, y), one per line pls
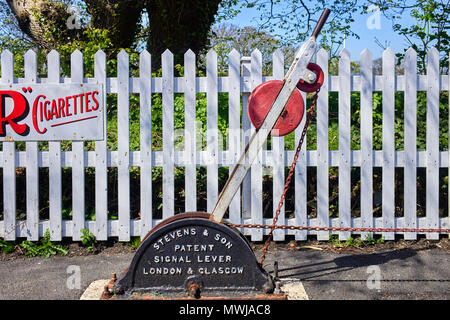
(243, 76)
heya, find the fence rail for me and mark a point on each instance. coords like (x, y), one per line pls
(247, 207)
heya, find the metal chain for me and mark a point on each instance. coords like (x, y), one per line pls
(357, 229)
(289, 177)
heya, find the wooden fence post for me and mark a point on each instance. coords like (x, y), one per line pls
(32, 178)
(55, 161)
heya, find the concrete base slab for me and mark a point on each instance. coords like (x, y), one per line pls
(293, 289)
(95, 290)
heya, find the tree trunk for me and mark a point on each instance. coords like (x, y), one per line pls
(179, 25)
(120, 17)
(39, 19)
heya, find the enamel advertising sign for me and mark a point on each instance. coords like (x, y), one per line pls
(36, 112)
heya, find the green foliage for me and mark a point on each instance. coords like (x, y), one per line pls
(430, 29)
(134, 242)
(88, 240)
(292, 21)
(7, 246)
(44, 247)
(100, 39)
(354, 242)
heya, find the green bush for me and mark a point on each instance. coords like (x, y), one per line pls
(88, 240)
(44, 247)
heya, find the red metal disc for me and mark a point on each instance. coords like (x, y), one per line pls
(312, 87)
(262, 99)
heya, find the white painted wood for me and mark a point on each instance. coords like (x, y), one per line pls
(135, 226)
(432, 159)
(278, 156)
(9, 159)
(366, 196)
(432, 172)
(123, 142)
(212, 137)
(168, 141)
(344, 144)
(78, 193)
(190, 132)
(246, 134)
(145, 104)
(410, 171)
(256, 167)
(54, 153)
(234, 130)
(32, 162)
(300, 175)
(101, 159)
(323, 207)
(388, 175)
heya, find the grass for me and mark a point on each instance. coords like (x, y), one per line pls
(354, 242)
(44, 247)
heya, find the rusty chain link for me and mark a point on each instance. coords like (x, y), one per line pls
(273, 226)
(356, 229)
(289, 177)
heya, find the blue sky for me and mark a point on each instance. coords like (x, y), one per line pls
(367, 35)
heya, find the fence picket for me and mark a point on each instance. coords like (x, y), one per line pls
(256, 169)
(190, 141)
(278, 155)
(212, 136)
(32, 175)
(145, 107)
(323, 207)
(410, 172)
(78, 196)
(432, 172)
(300, 175)
(55, 163)
(388, 175)
(101, 159)
(250, 196)
(123, 143)
(366, 141)
(9, 158)
(344, 144)
(246, 134)
(168, 141)
(234, 134)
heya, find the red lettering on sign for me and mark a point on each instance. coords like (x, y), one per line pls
(44, 110)
(61, 106)
(54, 111)
(19, 112)
(75, 104)
(81, 102)
(68, 114)
(87, 101)
(94, 93)
(35, 123)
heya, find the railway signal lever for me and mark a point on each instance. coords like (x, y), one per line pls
(275, 105)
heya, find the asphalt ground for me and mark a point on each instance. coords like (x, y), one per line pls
(393, 274)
